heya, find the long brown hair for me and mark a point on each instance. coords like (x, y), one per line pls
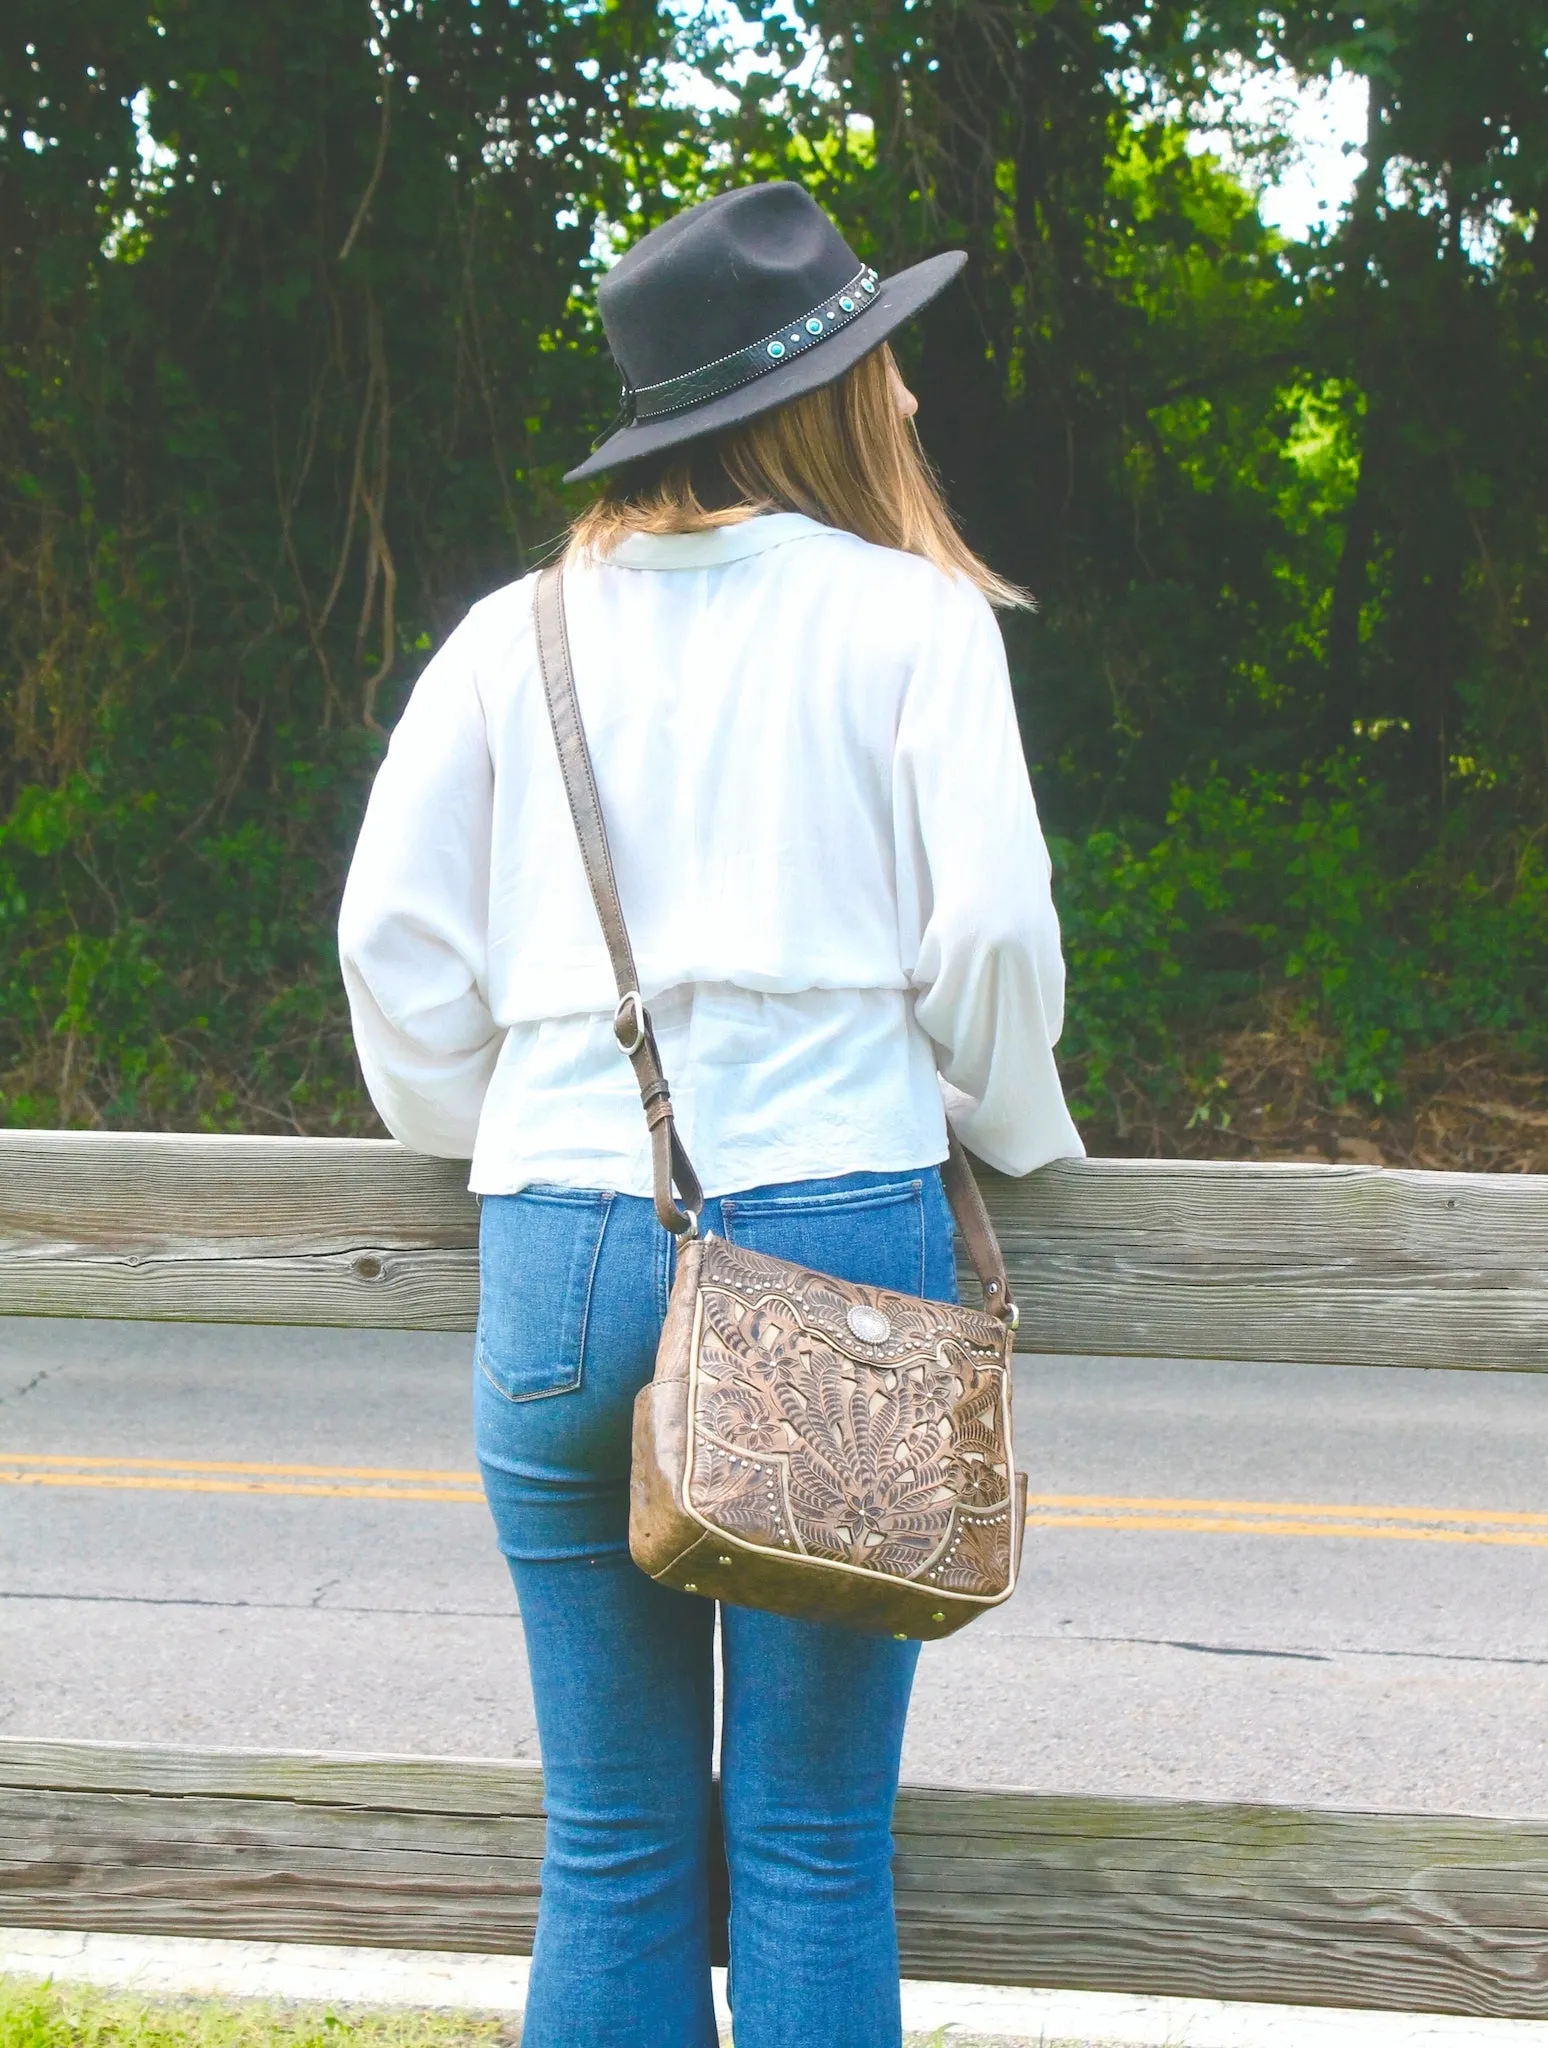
(843, 454)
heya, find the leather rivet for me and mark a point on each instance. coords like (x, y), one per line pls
(900, 1637)
(723, 1560)
(937, 1617)
(689, 1586)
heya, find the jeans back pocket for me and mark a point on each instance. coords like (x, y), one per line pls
(874, 1235)
(538, 1254)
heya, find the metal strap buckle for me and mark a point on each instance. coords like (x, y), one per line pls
(630, 1045)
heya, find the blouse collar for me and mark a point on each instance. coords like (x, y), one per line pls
(716, 544)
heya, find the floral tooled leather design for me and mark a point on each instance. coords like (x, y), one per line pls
(886, 1453)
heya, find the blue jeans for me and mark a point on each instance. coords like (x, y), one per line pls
(575, 1285)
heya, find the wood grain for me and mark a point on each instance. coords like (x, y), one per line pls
(1343, 1265)
(1414, 1912)
(332, 1778)
(177, 1228)
(1337, 1265)
(383, 1851)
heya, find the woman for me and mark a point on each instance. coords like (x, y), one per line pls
(796, 701)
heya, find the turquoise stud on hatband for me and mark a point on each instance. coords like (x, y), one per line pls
(847, 305)
(776, 348)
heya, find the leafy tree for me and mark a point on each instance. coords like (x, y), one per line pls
(292, 356)
(296, 339)
(1126, 399)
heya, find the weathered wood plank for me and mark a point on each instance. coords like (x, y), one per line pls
(99, 1859)
(254, 1904)
(421, 1902)
(195, 1825)
(281, 1846)
(1491, 1900)
(1229, 1901)
(999, 1822)
(1416, 1912)
(417, 1785)
(179, 1228)
(1335, 1265)
(1350, 1952)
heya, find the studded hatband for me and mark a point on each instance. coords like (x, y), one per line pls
(674, 394)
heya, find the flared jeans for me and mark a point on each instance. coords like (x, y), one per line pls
(575, 1285)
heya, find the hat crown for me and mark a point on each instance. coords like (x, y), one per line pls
(726, 273)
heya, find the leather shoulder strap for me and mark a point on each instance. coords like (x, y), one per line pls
(978, 1233)
(631, 1020)
(671, 1166)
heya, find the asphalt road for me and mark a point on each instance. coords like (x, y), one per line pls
(1314, 1584)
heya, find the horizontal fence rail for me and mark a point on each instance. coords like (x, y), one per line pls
(1336, 1265)
(1341, 1265)
(1185, 1899)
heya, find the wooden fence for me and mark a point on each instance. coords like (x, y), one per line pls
(1343, 1265)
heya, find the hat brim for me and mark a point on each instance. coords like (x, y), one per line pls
(898, 299)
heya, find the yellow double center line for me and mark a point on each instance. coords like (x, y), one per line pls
(1082, 1511)
(1289, 1518)
(189, 1475)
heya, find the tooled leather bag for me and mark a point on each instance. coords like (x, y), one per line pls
(827, 1450)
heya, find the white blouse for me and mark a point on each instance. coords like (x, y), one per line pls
(828, 856)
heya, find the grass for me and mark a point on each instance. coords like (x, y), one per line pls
(34, 2014)
(48, 2015)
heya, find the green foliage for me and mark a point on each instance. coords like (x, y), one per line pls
(188, 983)
(293, 351)
(1308, 884)
(296, 343)
(1115, 404)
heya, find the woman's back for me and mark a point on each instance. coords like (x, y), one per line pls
(743, 692)
(826, 850)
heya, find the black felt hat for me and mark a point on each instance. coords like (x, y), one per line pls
(737, 305)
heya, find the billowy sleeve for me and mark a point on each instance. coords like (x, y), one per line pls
(413, 926)
(978, 929)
